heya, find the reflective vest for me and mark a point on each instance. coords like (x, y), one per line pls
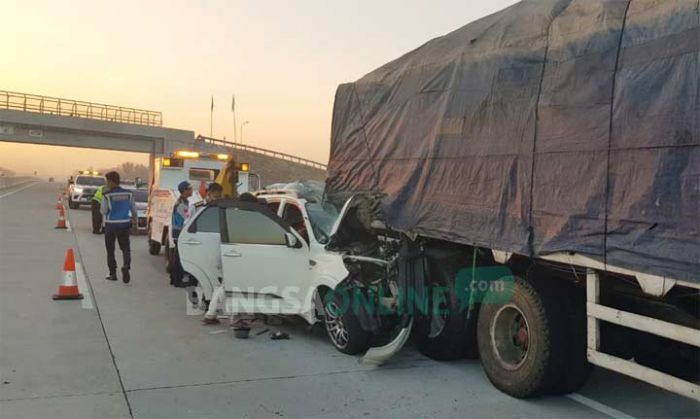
(99, 194)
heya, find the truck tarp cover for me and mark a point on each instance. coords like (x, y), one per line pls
(568, 125)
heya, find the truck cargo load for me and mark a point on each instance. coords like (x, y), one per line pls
(552, 126)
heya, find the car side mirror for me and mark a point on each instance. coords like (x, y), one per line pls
(292, 240)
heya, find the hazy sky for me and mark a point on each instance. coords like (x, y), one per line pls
(282, 59)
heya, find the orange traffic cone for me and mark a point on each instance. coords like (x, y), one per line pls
(61, 218)
(68, 290)
(59, 202)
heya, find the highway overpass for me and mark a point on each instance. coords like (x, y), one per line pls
(33, 119)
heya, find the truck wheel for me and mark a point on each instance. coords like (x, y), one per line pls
(153, 247)
(576, 369)
(521, 343)
(443, 333)
(668, 356)
(342, 326)
(73, 205)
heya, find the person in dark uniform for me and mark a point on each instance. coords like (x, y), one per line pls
(120, 217)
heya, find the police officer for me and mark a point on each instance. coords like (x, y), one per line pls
(96, 214)
(120, 217)
(181, 212)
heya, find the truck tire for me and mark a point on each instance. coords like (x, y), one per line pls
(342, 326)
(447, 335)
(522, 343)
(668, 356)
(153, 247)
(73, 205)
(577, 369)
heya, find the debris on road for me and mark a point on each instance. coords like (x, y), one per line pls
(279, 336)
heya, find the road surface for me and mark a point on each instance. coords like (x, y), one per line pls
(132, 351)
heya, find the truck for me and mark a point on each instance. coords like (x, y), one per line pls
(83, 188)
(540, 167)
(198, 168)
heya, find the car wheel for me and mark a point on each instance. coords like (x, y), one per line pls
(522, 343)
(73, 205)
(342, 326)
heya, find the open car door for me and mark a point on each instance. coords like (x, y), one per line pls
(265, 262)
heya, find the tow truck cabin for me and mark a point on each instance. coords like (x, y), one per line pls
(200, 169)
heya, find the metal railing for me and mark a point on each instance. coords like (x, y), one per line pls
(78, 109)
(271, 153)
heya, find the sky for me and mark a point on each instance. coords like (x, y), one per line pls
(283, 60)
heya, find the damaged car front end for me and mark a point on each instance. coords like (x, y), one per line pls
(367, 310)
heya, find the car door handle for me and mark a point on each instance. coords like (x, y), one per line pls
(191, 242)
(232, 254)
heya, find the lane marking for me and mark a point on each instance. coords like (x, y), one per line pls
(20, 189)
(83, 287)
(600, 407)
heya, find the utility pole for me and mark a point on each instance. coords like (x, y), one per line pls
(243, 125)
(233, 110)
(211, 118)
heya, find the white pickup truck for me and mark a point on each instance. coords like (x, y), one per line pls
(83, 188)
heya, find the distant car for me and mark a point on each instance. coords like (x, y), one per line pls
(83, 189)
(141, 202)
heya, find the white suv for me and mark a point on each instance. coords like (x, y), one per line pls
(272, 258)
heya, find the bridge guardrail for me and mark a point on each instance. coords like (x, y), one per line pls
(78, 109)
(266, 152)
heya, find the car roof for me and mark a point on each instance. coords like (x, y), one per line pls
(281, 196)
(235, 203)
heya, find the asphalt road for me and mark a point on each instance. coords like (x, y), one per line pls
(132, 351)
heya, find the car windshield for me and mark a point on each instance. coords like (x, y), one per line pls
(140, 195)
(90, 180)
(322, 217)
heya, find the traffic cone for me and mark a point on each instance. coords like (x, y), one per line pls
(59, 202)
(68, 290)
(61, 218)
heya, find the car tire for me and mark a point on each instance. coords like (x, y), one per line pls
(153, 247)
(450, 336)
(73, 205)
(522, 343)
(342, 325)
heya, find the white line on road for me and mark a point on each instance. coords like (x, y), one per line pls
(600, 407)
(83, 287)
(18, 190)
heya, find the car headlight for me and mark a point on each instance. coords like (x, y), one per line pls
(78, 190)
